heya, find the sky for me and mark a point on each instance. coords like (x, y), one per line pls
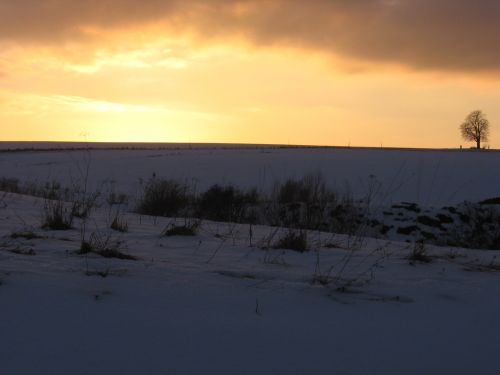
(392, 73)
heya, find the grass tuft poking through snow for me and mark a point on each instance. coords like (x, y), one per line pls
(56, 216)
(419, 254)
(189, 228)
(293, 240)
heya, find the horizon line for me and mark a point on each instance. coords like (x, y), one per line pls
(126, 145)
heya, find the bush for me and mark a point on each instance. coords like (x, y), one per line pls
(83, 204)
(119, 225)
(164, 198)
(26, 234)
(478, 227)
(303, 202)
(293, 240)
(9, 185)
(116, 199)
(226, 203)
(310, 189)
(419, 254)
(188, 229)
(103, 245)
(56, 216)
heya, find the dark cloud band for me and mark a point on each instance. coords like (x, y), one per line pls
(423, 34)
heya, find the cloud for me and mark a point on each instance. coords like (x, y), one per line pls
(422, 34)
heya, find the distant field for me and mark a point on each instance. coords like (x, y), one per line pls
(427, 177)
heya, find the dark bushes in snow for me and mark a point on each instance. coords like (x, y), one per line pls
(227, 203)
(295, 240)
(164, 198)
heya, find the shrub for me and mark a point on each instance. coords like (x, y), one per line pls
(347, 216)
(83, 202)
(116, 199)
(103, 245)
(56, 216)
(119, 225)
(9, 185)
(478, 227)
(293, 240)
(49, 190)
(303, 203)
(419, 254)
(310, 189)
(26, 234)
(226, 203)
(188, 229)
(164, 198)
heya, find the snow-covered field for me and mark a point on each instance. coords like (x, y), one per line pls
(426, 177)
(220, 302)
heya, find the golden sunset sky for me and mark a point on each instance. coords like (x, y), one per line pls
(323, 72)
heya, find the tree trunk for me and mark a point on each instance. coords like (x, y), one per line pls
(478, 143)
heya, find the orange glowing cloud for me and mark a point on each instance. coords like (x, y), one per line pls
(370, 72)
(445, 34)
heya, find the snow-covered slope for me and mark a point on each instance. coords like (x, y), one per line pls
(226, 301)
(426, 177)
(220, 303)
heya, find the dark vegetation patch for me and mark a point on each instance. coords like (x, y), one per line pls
(450, 209)
(479, 227)
(408, 230)
(495, 200)
(332, 245)
(119, 225)
(429, 221)
(237, 275)
(293, 240)
(115, 253)
(428, 235)
(114, 198)
(409, 206)
(477, 267)
(49, 190)
(164, 198)
(26, 234)
(105, 246)
(419, 254)
(187, 229)
(56, 215)
(106, 272)
(384, 229)
(305, 203)
(9, 185)
(227, 203)
(446, 219)
(22, 251)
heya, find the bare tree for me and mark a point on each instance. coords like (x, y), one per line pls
(476, 127)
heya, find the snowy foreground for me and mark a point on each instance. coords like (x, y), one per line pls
(214, 304)
(225, 301)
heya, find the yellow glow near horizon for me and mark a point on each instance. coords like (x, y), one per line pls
(163, 90)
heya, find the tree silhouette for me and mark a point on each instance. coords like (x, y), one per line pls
(476, 128)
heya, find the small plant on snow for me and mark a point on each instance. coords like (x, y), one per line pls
(419, 254)
(56, 215)
(189, 228)
(104, 245)
(119, 225)
(295, 240)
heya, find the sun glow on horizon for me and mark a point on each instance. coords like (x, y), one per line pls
(146, 83)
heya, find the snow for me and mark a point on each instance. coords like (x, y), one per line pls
(426, 177)
(214, 304)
